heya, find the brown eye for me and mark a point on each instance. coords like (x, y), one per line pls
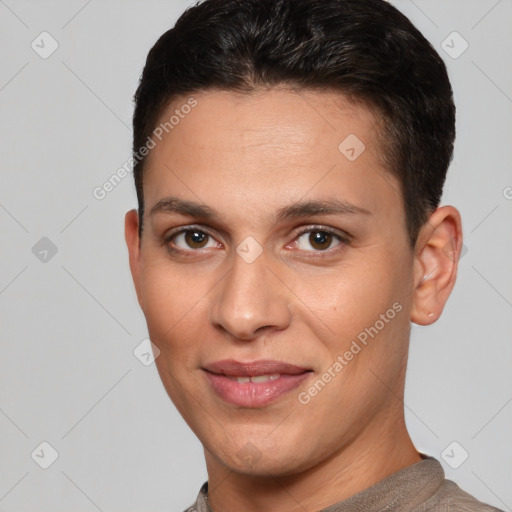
(196, 239)
(320, 240)
(317, 240)
(191, 239)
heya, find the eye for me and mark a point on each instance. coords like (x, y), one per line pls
(318, 240)
(190, 238)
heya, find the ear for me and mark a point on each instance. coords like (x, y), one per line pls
(436, 258)
(131, 235)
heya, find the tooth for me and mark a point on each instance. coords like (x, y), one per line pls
(260, 378)
(257, 379)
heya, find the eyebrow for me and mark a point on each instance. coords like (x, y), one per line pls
(182, 207)
(320, 207)
(296, 210)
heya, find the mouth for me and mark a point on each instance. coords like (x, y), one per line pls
(255, 383)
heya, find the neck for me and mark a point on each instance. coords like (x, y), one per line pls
(352, 469)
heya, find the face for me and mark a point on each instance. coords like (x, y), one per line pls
(275, 276)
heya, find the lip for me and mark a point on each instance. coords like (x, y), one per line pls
(222, 377)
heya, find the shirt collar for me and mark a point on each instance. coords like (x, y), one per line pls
(401, 492)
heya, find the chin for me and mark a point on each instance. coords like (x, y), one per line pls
(257, 460)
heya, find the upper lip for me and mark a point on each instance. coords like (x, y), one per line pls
(254, 368)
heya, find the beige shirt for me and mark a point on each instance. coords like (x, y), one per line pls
(420, 487)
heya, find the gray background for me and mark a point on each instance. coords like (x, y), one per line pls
(70, 323)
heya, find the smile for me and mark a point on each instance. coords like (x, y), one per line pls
(256, 383)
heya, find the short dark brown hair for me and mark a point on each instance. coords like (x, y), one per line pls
(365, 49)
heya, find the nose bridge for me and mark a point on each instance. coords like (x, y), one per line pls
(250, 296)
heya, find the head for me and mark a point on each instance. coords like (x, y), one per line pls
(289, 161)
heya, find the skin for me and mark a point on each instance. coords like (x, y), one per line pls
(246, 157)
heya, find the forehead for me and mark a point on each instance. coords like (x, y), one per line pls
(281, 117)
(270, 145)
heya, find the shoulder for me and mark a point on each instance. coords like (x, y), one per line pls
(451, 498)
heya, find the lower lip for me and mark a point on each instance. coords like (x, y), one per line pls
(254, 394)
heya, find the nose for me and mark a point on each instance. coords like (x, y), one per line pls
(250, 300)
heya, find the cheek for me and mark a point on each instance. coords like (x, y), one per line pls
(362, 304)
(351, 296)
(171, 301)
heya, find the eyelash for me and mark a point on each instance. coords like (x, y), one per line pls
(344, 239)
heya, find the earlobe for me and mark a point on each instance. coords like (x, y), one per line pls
(131, 234)
(437, 254)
